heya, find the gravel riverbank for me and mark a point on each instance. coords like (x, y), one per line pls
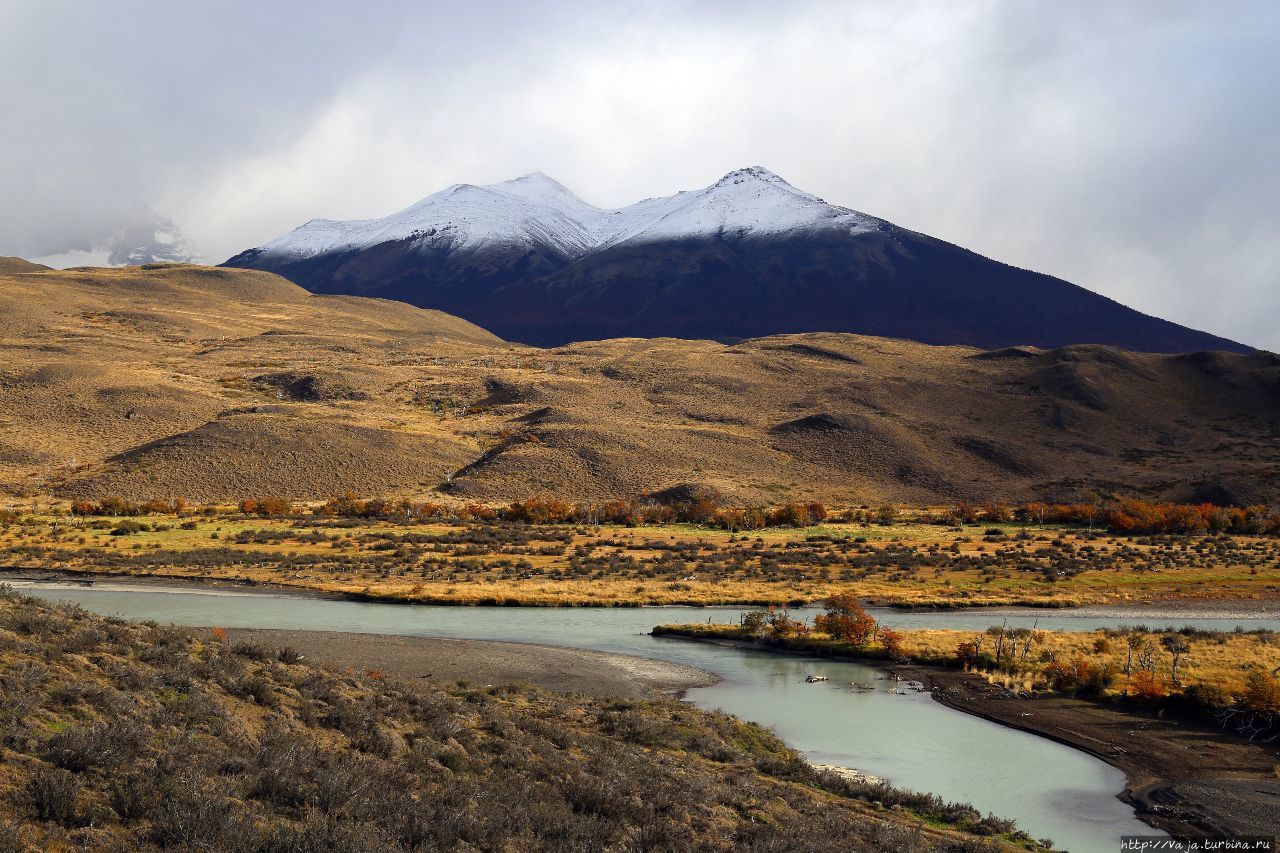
(485, 662)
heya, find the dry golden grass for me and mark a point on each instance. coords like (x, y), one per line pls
(217, 384)
(1223, 660)
(678, 564)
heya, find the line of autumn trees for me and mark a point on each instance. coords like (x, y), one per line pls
(1125, 516)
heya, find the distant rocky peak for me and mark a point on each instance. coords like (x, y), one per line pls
(151, 239)
(141, 237)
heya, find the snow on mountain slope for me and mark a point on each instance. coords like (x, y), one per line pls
(537, 212)
(540, 189)
(746, 203)
(532, 209)
(314, 238)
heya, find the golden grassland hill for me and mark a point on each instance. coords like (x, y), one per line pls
(125, 736)
(9, 266)
(219, 384)
(902, 563)
(136, 378)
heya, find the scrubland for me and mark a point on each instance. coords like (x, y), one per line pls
(135, 736)
(474, 556)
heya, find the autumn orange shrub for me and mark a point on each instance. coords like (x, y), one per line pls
(1067, 674)
(120, 506)
(106, 506)
(1126, 516)
(796, 515)
(780, 624)
(845, 619)
(1138, 516)
(479, 512)
(267, 507)
(1146, 685)
(541, 511)
(892, 642)
(967, 654)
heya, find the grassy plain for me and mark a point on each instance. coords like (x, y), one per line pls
(902, 564)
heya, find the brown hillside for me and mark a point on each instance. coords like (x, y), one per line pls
(10, 266)
(218, 384)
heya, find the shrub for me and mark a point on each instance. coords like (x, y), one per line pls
(250, 650)
(53, 794)
(1206, 697)
(129, 527)
(891, 640)
(1138, 516)
(1067, 676)
(1146, 685)
(197, 815)
(967, 654)
(845, 619)
(98, 745)
(134, 795)
(1097, 680)
(753, 621)
(269, 507)
(1261, 693)
(260, 690)
(286, 760)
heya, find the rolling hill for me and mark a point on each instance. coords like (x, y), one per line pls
(748, 256)
(217, 384)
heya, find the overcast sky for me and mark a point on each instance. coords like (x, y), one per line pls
(1128, 147)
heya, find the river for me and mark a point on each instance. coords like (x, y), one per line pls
(1051, 790)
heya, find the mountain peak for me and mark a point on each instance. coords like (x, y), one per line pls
(541, 189)
(760, 181)
(757, 173)
(535, 177)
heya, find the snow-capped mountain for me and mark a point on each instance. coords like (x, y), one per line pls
(535, 210)
(147, 238)
(748, 255)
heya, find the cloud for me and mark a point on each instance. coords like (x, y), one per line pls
(1126, 147)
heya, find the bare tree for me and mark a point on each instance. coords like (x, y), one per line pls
(1135, 642)
(998, 631)
(1028, 636)
(1176, 646)
(1147, 656)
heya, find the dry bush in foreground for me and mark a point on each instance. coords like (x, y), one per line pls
(124, 736)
